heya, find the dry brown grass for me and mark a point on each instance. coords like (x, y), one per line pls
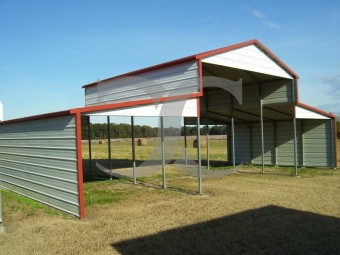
(244, 213)
(145, 212)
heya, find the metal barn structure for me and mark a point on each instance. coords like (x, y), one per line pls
(244, 86)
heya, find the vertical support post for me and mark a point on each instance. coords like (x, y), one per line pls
(228, 140)
(294, 95)
(233, 142)
(109, 145)
(275, 143)
(295, 146)
(251, 143)
(207, 140)
(0, 211)
(185, 144)
(335, 143)
(80, 176)
(199, 156)
(302, 143)
(262, 135)
(133, 150)
(90, 144)
(163, 152)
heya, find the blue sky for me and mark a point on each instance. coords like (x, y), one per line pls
(49, 49)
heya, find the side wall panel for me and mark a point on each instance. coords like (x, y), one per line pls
(269, 145)
(38, 160)
(242, 143)
(181, 79)
(318, 143)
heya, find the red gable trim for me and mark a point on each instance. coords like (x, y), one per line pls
(248, 43)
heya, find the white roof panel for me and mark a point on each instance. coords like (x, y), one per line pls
(302, 113)
(184, 108)
(249, 58)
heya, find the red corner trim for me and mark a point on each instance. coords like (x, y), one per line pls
(80, 168)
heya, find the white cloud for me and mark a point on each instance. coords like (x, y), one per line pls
(271, 24)
(258, 14)
(263, 18)
(333, 84)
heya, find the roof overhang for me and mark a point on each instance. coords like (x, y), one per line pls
(178, 108)
(303, 111)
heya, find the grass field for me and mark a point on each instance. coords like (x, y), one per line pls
(242, 213)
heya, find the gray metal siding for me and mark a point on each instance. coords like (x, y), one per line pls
(277, 92)
(317, 143)
(285, 143)
(181, 79)
(269, 143)
(38, 160)
(242, 143)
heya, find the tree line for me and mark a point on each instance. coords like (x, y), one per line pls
(100, 131)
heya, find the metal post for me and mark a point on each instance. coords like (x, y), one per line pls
(251, 143)
(133, 150)
(233, 142)
(0, 210)
(207, 139)
(109, 145)
(295, 146)
(275, 142)
(199, 157)
(228, 136)
(163, 152)
(262, 135)
(185, 144)
(2, 230)
(90, 145)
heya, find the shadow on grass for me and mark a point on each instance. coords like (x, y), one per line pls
(268, 230)
(117, 164)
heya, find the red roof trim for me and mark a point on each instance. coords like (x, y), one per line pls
(144, 70)
(38, 117)
(199, 57)
(311, 108)
(96, 108)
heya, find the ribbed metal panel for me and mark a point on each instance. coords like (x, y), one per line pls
(243, 143)
(38, 160)
(317, 143)
(181, 79)
(277, 92)
(269, 143)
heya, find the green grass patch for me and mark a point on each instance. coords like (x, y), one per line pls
(98, 196)
(15, 202)
(98, 192)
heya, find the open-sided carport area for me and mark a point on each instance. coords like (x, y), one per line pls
(243, 86)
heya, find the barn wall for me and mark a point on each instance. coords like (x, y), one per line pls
(243, 143)
(318, 143)
(38, 160)
(269, 143)
(181, 79)
(275, 92)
